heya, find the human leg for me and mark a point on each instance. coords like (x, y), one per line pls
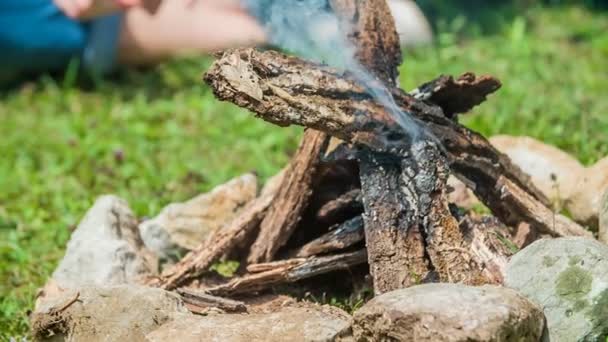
(184, 26)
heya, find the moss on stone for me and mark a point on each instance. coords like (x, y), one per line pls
(573, 283)
(598, 315)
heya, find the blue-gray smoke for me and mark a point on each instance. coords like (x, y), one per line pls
(310, 29)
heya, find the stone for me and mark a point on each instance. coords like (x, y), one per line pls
(183, 226)
(105, 248)
(553, 171)
(106, 313)
(584, 204)
(411, 24)
(449, 312)
(288, 324)
(559, 176)
(568, 277)
(603, 229)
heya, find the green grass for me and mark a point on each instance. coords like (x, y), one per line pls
(160, 136)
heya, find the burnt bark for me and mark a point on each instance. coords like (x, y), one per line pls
(459, 95)
(345, 205)
(344, 235)
(394, 240)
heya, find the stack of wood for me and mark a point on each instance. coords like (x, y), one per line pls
(359, 190)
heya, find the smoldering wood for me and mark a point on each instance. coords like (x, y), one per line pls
(220, 243)
(394, 240)
(286, 90)
(401, 261)
(289, 272)
(204, 300)
(446, 248)
(291, 200)
(342, 236)
(458, 95)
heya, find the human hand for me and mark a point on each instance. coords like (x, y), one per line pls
(87, 9)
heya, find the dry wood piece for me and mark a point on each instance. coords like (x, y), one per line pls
(222, 242)
(268, 266)
(457, 95)
(346, 203)
(291, 200)
(201, 300)
(524, 235)
(344, 235)
(490, 245)
(527, 210)
(297, 92)
(289, 272)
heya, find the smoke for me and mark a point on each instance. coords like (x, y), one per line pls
(310, 29)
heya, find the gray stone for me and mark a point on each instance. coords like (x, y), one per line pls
(105, 249)
(114, 313)
(288, 324)
(449, 312)
(569, 278)
(185, 225)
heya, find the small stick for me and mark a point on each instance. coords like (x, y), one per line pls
(68, 304)
(201, 299)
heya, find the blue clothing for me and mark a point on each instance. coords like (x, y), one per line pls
(36, 36)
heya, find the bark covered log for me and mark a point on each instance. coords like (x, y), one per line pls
(288, 271)
(291, 91)
(394, 240)
(291, 200)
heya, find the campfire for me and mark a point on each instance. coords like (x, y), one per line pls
(361, 194)
(359, 190)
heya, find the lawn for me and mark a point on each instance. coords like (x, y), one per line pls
(159, 136)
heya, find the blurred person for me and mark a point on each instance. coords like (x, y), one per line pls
(45, 35)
